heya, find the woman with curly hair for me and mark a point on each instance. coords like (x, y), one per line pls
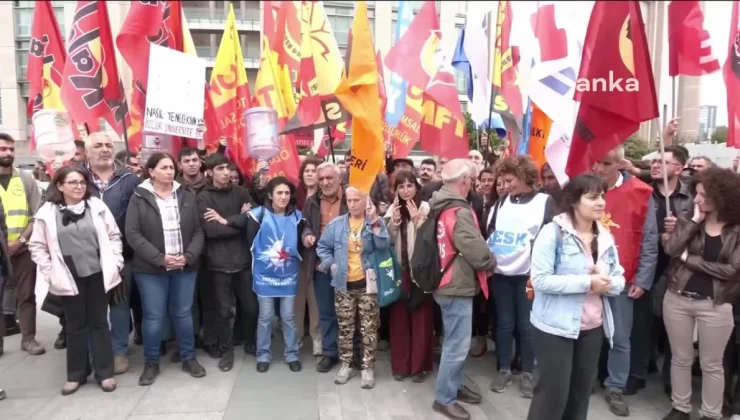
(702, 287)
(513, 223)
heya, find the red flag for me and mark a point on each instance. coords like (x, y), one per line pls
(149, 22)
(731, 74)
(46, 57)
(689, 45)
(91, 88)
(213, 130)
(616, 51)
(418, 58)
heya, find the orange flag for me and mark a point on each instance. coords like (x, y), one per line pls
(358, 92)
(539, 131)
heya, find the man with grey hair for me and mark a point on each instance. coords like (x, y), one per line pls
(320, 209)
(631, 218)
(458, 230)
(700, 164)
(114, 184)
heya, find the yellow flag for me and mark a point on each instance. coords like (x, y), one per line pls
(358, 92)
(229, 78)
(270, 88)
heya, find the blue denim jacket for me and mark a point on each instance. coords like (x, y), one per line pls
(332, 248)
(560, 291)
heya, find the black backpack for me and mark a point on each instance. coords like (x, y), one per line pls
(426, 270)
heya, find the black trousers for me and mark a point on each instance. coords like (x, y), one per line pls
(228, 288)
(86, 316)
(567, 371)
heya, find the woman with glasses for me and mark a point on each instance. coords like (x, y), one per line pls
(77, 247)
(163, 228)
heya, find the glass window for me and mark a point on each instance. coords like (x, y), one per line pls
(251, 48)
(341, 26)
(21, 62)
(461, 79)
(24, 21)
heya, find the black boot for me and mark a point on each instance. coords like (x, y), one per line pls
(61, 342)
(11, 326)
(226, 363)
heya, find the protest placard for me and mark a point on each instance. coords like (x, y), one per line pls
(174, 100)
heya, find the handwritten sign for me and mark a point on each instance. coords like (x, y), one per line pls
(174, 101)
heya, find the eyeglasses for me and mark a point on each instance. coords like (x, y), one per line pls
(660, 162)
(77, 184)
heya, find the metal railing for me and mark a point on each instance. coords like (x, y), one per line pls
(202, 14)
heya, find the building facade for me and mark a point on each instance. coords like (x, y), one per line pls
(707, 122)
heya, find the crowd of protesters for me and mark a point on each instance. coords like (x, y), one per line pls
(580, 287)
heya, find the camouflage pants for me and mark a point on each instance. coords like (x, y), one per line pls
(348, 304)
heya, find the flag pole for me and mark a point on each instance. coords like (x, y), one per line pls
(125, 140)
(491, 59)
(666, 194)
(674, 109)
(331, 145)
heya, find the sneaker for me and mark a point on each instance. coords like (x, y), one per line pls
(326, 364)
(33, 347)
(317, 347)
(502, 380)
(617, 405)
(61, 342)
(453, 411)
(346, 372)
(120, 364)
(2, 395)
(633, 385)
(226, 363)
(151, 371)
(680, 415)
(526, 388)
(368, 379)
(193, 368)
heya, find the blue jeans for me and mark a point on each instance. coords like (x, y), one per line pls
(264, 328)
(120, 317)
(327, 313)
(619, 355)
(512, 312)
(457, 319)
(162, 293)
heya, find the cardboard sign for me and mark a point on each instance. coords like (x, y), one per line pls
(174, 101)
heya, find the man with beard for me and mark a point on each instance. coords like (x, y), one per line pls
(114, 184)
(647, 332)
(427, 169)
(21, 199)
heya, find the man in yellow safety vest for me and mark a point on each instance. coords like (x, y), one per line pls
(21, 199)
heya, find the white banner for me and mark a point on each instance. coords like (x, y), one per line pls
(174, 98)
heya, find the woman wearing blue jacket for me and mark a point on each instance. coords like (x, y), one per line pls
(344, 249)
(575, 266)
